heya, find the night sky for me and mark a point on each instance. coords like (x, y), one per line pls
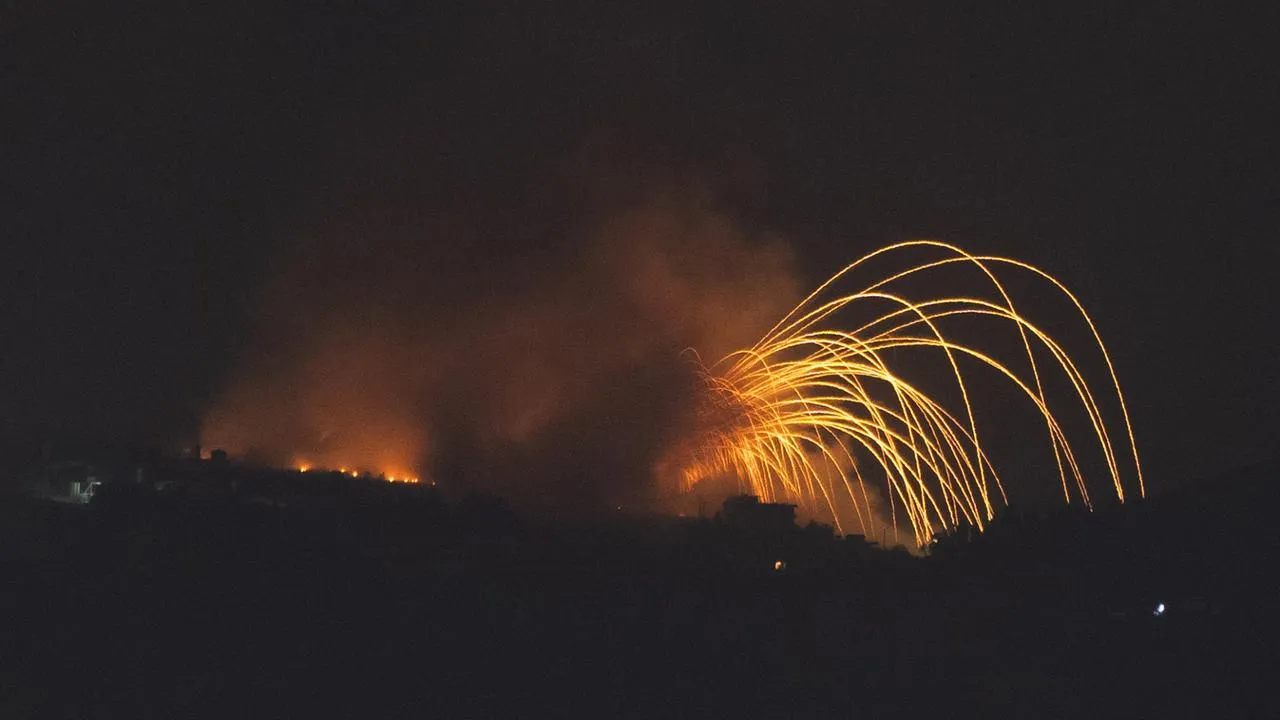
(178, 181)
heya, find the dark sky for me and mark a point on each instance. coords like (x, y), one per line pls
(161, 163)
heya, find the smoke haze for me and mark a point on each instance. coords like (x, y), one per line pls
(396, 342)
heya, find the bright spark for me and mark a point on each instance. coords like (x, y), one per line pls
(792, 416)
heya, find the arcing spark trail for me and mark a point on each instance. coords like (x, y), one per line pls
(814, 414)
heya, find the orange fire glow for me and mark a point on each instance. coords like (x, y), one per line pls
(389, 382)
(389, 475)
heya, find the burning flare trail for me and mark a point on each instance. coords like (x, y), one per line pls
(814, 414)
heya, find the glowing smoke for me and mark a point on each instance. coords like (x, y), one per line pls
(552, 379)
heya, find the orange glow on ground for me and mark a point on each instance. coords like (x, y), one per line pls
(394, 476)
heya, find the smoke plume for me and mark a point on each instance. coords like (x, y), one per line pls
(532, 348)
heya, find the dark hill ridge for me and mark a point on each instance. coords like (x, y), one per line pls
(161, 605)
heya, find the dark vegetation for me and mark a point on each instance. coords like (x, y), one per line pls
(362, 599)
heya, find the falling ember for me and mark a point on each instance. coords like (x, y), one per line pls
(814, 413)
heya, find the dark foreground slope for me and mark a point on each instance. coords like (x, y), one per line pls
(135, 607)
